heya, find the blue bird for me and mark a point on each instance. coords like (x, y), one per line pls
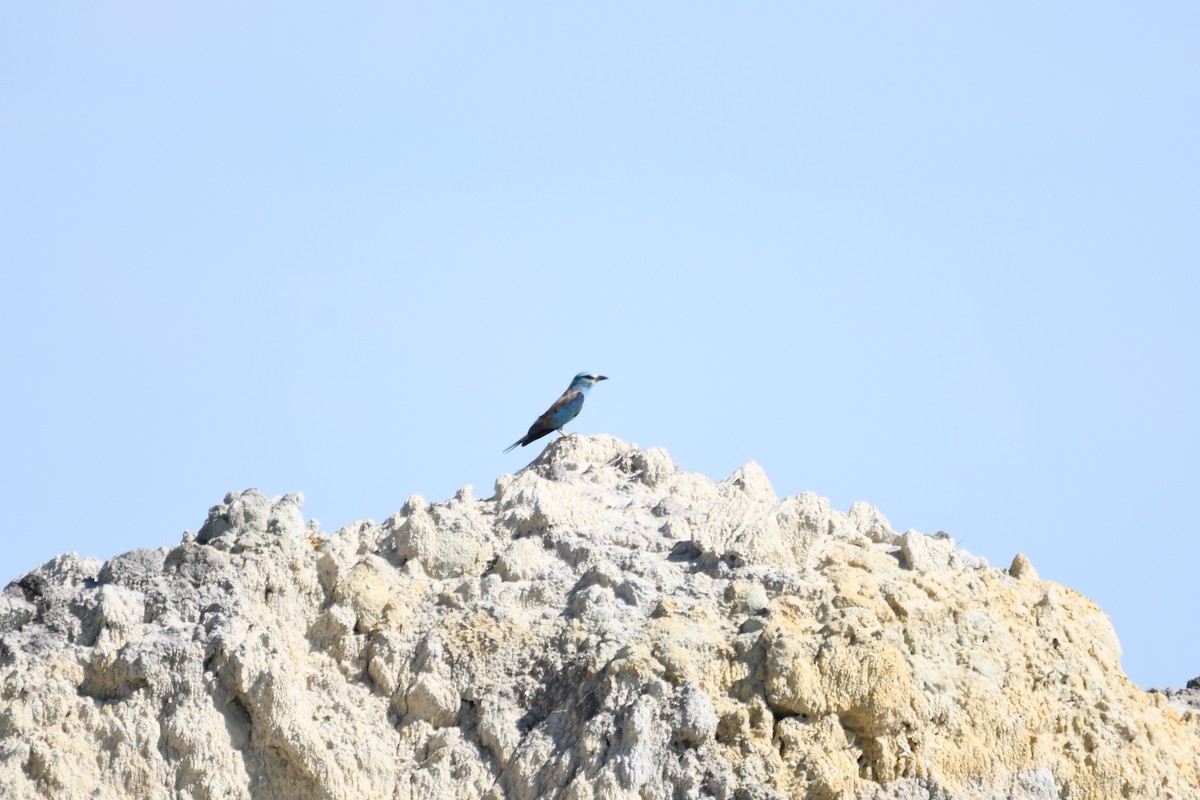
(565, 409)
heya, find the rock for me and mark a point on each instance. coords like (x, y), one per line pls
(605, 626)
(251, 522)
(937, 553)
(1022, 569)
(1183, 700)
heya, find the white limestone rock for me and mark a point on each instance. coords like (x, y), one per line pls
(604, 626)
(249, 521)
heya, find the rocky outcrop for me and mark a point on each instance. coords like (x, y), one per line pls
(604, 626)
(1186, 699)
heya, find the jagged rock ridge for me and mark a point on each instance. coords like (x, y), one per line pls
(605, 626)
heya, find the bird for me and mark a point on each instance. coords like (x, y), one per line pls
(565, 409)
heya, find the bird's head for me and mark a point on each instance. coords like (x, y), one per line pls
(586, 380)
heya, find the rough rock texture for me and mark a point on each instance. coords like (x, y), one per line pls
(605, 626)
(1184, 699)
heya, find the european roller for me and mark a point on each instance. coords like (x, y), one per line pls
(565, 409)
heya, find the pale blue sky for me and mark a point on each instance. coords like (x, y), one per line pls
(940, 258)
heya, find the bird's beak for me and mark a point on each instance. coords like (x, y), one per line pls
(601, 378)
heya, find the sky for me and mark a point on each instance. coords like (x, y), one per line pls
(943, 258)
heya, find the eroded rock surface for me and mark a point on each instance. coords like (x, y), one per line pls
(604, 626)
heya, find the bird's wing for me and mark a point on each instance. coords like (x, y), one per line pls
(565, 409)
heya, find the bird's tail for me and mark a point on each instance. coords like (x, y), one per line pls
(520, 441)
